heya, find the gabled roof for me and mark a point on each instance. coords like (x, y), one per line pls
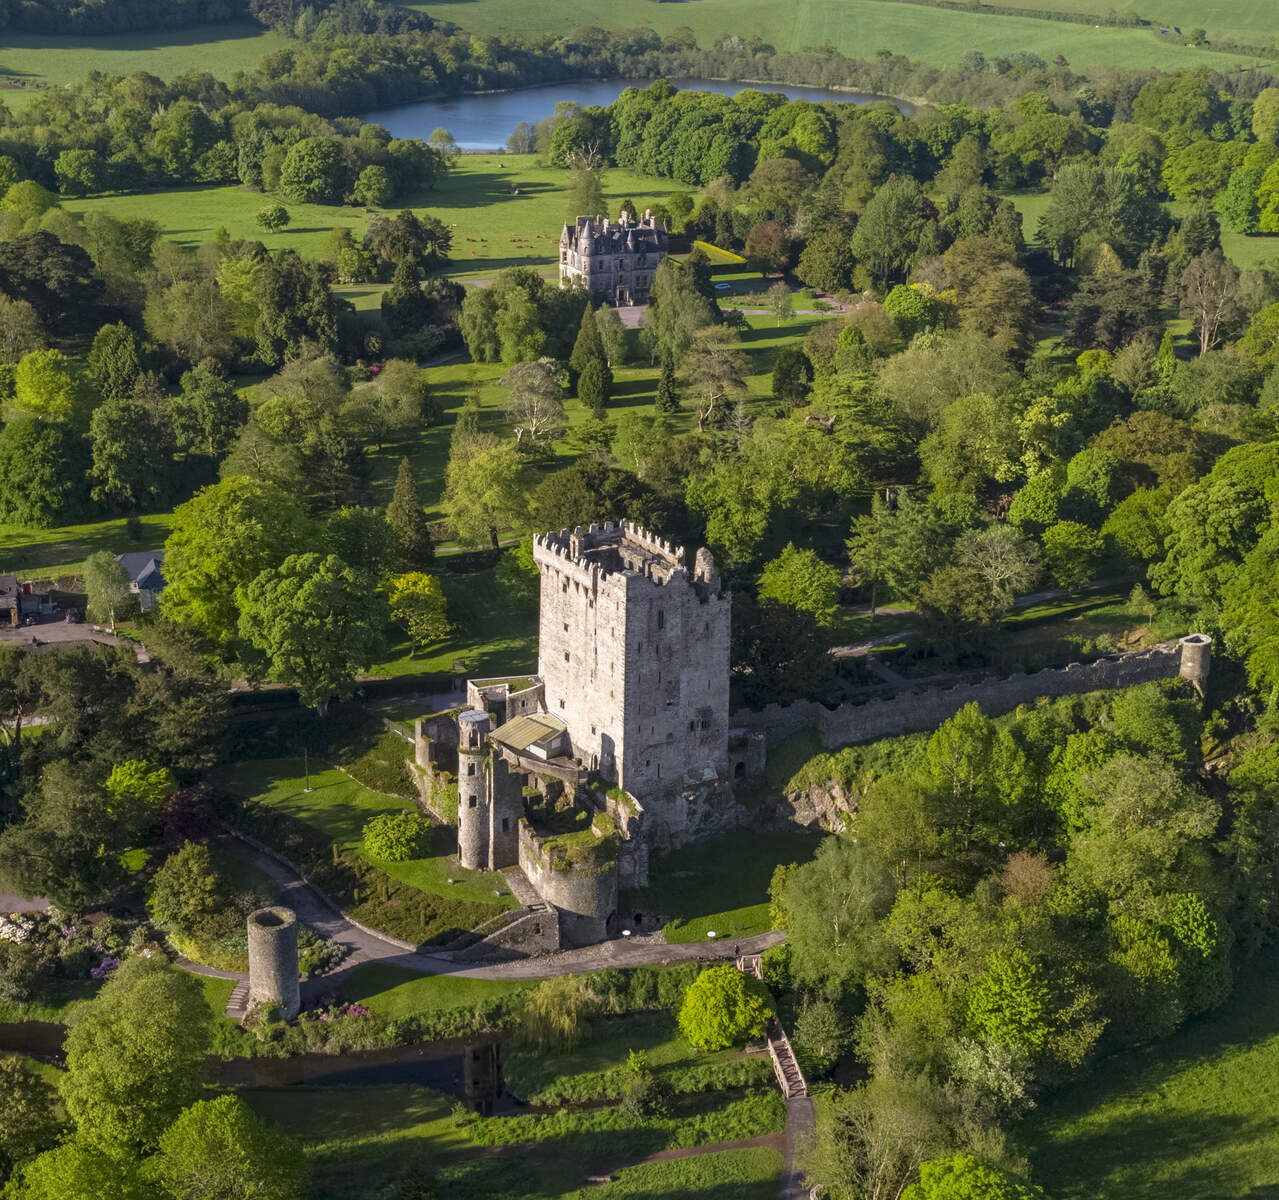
(536, 729)
(144, 568)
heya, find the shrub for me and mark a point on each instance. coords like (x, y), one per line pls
(555, 1014)
(720, 1010)
(394, 837)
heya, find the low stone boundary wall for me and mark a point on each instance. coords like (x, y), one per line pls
(919, 709)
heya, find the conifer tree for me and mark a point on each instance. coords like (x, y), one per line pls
(411, 540)
(595, 386)
(588, 347)
(667, 397)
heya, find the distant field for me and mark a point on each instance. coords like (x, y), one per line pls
(858, 27)
(492, 227)
(1192, 1118)
(1251, 21)
(218, 49)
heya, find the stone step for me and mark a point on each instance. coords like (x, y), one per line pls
(238, 1002)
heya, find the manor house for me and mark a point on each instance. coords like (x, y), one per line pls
(614, 260)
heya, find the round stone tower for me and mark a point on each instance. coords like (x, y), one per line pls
(472, 790)
(1196, 659)
(273, 959)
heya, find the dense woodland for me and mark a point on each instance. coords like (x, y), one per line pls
(995, 411)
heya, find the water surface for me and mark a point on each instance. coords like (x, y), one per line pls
(484, 122)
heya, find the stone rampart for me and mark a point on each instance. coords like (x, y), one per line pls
(917, 710)
(584, 892)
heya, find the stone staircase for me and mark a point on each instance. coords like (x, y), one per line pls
(238, 1004)
(785, 1066)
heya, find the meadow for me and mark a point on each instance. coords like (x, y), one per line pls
(223, 49)
(1192, 1117)
(720, 884)
(859, 28)
(493, 227)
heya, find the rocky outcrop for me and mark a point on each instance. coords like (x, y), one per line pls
(819, 806)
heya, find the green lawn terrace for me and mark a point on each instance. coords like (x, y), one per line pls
(29, 61)
(428, 898)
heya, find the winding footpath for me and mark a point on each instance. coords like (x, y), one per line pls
(366, 946)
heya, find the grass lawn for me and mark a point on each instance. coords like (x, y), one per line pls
(495, 638)
(858, 28)
(357, 1138)
(1192, 1118)
(339, 808)
(729, 1175)
(1241, 20)
(492, 227)
(220, 49)
(396, 992)
(720, 883)
(56, 998)
(528, 1071)
(216, 994)
(40, 553)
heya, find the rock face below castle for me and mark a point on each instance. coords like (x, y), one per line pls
(615, 261)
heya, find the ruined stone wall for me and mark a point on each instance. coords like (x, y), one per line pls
(585, 894)
(924, 709)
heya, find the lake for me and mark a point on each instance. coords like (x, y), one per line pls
(484, 122)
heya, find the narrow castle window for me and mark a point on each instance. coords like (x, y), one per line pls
(472, 803)
(506, 824)
(470, 768)
(661, 618)
(566, 659)
(561, 703)
(565, 626)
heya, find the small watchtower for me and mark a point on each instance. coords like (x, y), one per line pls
(273, 959)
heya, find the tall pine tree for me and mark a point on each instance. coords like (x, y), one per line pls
(667, 397)
(588, 347)
(410, 539)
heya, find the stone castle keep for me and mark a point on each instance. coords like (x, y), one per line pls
(614, 260)
(623, 745)
(620, 743)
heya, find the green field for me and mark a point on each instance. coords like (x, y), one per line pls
(720, 884)
(1193, 1118)
(857, 27)
(1248, 21)
(394, 991)
(339, 807)
(492, 227)
(27, 58)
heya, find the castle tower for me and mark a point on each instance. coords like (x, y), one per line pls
(273, 959)
(473, 817)
(1196, 659)
(633, 653)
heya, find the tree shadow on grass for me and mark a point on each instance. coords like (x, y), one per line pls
(1147, 1156)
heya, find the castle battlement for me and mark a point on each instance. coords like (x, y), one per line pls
(591, 556)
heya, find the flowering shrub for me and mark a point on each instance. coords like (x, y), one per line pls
(104, 968)
(15, 928)
(316, 954)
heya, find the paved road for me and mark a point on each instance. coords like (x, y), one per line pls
(66, 633)
(366, 946)
(801, 1130)
(9, 903)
